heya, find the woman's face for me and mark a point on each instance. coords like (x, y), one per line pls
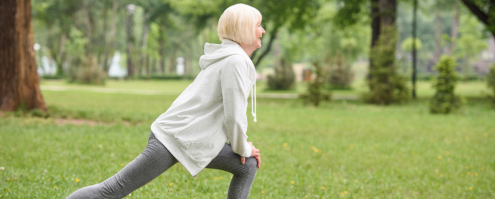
(259, 33)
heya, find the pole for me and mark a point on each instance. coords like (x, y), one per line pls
(414, 50)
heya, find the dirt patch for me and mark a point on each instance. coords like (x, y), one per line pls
(61, 121)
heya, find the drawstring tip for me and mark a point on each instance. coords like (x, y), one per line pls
(254, 115)
(255, 120)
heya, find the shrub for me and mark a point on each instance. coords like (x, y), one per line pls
(86, 71)
(444, 101)
(491, 82)
(314, 92)
(341, 76)
(284, 76)
(386, 86)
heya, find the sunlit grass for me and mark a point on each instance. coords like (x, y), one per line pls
(341, 149)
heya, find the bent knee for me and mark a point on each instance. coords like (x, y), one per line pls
(251, 165)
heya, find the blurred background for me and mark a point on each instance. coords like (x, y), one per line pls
(356, 98)
(87, 41)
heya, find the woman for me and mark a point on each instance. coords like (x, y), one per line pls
(211, 111)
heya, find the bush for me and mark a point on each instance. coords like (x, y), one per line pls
(86, 71)
(444, 101)
(341, 76)
(386, 86)
(491, 82)
(284, 76)
(314, 93)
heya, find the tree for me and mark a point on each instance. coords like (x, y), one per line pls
(385, 85)
(19, 83)
(471, 42)
(445, 101)
(276, 14)
(58, 17)
(484, 10)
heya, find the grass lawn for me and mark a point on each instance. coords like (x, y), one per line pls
(341, 149)
(175, 87)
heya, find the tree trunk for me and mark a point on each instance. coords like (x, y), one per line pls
(383, 16)
(438, 35)
(173, 60)
(147, 66)
(109, 51)
(61, 55)
(130, 66)
(88, 28)
(375, 31)
(161, 49)
(414, 50)
(272, 38)
(453, 33)
(144, 38)
(19, 82)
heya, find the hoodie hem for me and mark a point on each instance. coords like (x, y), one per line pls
(178, 152)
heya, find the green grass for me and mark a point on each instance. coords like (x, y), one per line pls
(175, 87)
(342, 148)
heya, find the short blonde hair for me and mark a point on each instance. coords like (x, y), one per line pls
(238, 23)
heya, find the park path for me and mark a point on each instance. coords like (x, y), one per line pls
(159, 92)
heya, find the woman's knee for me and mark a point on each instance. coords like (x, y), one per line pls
(251, 166)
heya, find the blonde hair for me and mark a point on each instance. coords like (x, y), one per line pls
(238, 23)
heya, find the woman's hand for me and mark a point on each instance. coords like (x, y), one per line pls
(255, 153)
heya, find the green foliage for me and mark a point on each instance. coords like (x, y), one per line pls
(86, 71)
(341, 76)
(407, 44)
(471, 42)
(386, 86)
(283, 77)
(39, 113)
(315, 94)
(350, 12)
(491, 82)
(444, 101)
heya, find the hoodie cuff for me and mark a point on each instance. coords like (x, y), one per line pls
(248, 151)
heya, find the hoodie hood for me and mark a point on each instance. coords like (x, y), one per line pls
(217, 52)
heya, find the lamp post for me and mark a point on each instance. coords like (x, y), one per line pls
(130, 67)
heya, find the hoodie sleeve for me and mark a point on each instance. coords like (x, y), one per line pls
(234, 82)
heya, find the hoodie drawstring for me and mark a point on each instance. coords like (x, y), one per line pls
(253, 98)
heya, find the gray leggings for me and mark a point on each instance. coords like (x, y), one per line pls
(156, 159)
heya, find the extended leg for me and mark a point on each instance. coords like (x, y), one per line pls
(244, 174)
(153, 161)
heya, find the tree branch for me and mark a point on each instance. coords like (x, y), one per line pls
(482, 16)
(272, 37)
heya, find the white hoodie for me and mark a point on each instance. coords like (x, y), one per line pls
(211, 110)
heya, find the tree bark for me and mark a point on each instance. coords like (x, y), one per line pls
(19, 82)
(130, 66)
(438, 35)
(453, 33)
(375, 31)
(144, 38)
(414, 50)
(383, 17)
(272, 37)
(88, 27)
(109, 51)
(161, 49)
